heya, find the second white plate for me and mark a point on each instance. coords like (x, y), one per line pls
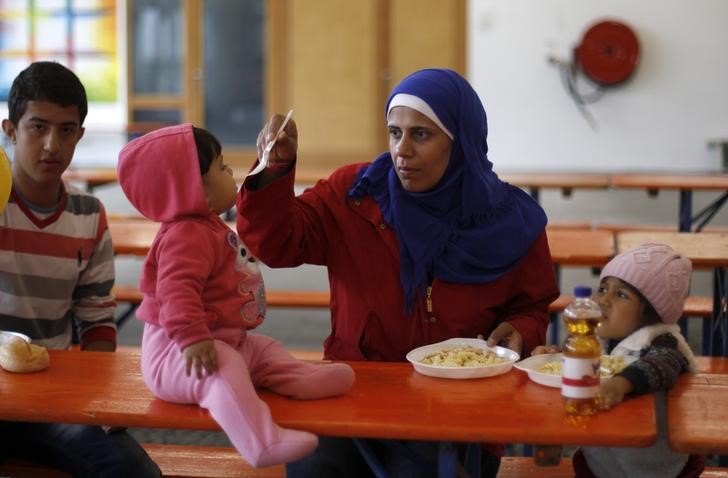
(6, 335)
(531, 365)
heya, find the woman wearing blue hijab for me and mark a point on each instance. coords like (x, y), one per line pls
(423, 244)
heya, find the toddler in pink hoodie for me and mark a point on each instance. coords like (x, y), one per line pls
(203, 291)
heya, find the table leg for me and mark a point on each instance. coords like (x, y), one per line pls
(447, 457)
(686, 210)
(370, 457)
(708, 212)
(473, 454)
(534, 193)
(716, 335)
(554, 319)
(447, 460)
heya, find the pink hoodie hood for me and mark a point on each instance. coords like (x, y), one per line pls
(160, 174)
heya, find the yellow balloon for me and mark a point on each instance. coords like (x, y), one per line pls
(6, 179)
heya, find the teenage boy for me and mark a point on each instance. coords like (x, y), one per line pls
(57, 267)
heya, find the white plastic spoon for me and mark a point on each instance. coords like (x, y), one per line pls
(263, 163)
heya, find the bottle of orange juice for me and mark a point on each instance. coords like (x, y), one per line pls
(581, 354)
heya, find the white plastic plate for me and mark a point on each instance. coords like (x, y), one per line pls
(532, 364)
(414, 356)
(5, 336)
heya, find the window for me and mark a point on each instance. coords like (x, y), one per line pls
(198, 61)
(80, 34)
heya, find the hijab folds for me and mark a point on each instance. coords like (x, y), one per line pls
(471, 227)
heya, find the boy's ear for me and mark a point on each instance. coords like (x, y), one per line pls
(81, 131)
(9, 129)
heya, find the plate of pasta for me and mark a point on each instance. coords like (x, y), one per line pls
(546, 368)
(462, 358)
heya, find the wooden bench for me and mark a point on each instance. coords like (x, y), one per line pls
(192, 461)
(698, 306)
(525, 467)
(305, 299)
(624, 227)
(695, 306)
(132, 296)
(175, 461)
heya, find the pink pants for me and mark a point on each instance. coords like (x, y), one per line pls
(229, 394)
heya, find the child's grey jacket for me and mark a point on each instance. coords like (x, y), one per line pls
(658, 460)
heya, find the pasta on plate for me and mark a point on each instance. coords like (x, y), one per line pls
(463, 356)
(609, 365)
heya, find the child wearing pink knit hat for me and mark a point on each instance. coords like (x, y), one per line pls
(642, 292)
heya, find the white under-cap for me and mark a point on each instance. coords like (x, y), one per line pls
(417, 104)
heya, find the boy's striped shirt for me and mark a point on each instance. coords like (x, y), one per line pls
(57, 268)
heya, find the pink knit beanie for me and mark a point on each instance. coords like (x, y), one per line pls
(659, 273)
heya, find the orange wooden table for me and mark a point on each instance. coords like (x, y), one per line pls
(534, 182)
(91, 176)
(388, 400)
(568, 247)
(697, 409)
(132, 236)
(304, 176)
(592, 248)
(686, 184)
(567, 182)
(705, 251)
(94, 177)
(586, 248)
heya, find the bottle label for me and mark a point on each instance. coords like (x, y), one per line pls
(580, 377)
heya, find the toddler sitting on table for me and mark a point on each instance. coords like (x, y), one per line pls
(641, 293)
(203, 291)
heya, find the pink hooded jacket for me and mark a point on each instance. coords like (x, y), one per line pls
(198, 276)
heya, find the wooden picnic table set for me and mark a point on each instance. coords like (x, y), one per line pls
(388, 400)
(392, 400)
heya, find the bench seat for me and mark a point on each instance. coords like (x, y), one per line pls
(698, 306)
(695, 306)
(274, 298)
(624, 226)
(175, 461)
(292, 298)
(195, 461)
(525, 467)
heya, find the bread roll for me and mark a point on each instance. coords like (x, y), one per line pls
(20, 356)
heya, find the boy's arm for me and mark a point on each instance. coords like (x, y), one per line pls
(93, 302)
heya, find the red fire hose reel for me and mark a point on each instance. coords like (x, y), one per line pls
(608, 53)
(606, 56)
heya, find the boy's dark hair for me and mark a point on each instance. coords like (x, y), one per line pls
(46, 81)
(208, 148)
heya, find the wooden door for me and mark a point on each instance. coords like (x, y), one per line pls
(332, 61)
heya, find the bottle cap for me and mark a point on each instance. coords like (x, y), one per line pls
(582, 291)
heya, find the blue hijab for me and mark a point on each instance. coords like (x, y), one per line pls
(471, 227)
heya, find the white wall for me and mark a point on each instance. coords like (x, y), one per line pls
(660, 120)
